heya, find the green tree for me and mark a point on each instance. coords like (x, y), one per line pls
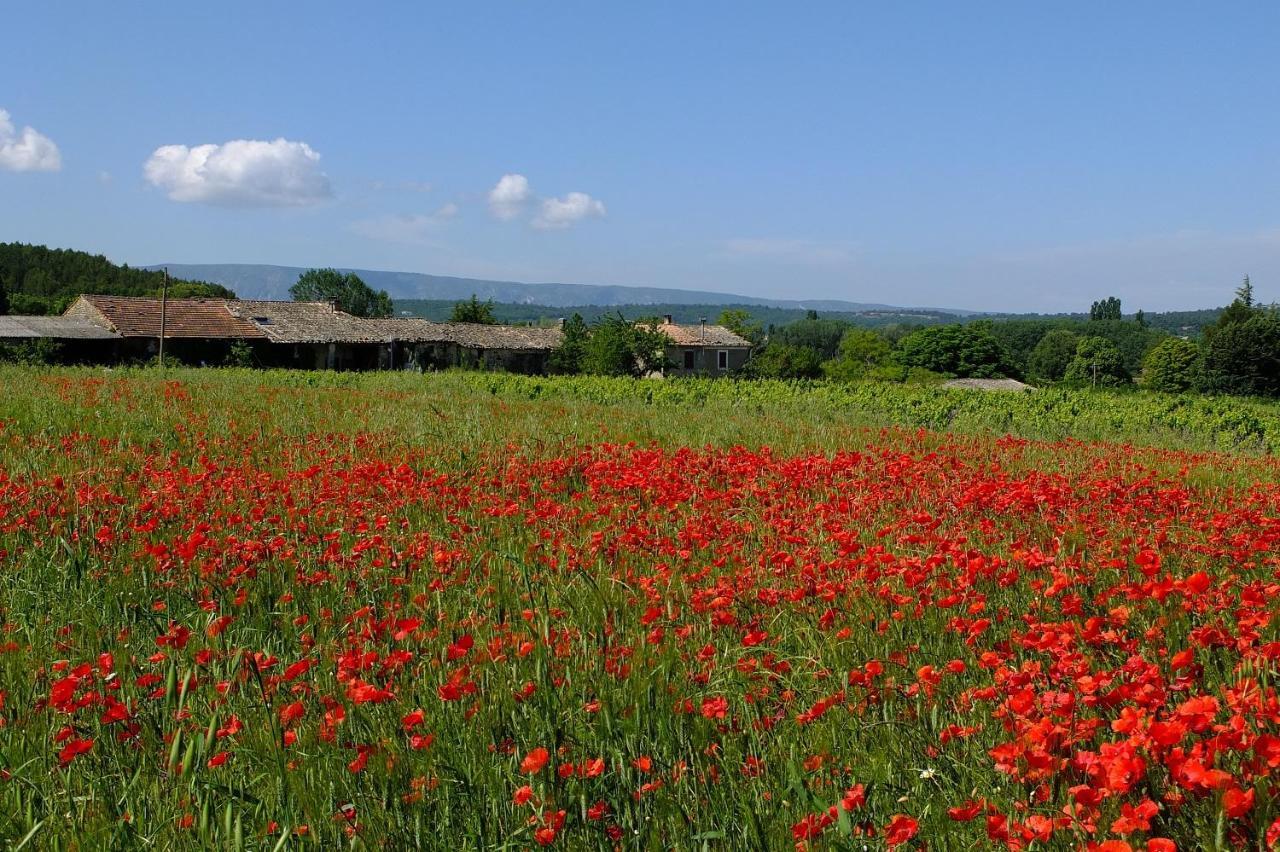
(1244, 293)
(784, 361)
(1240, 310)
(964, 351)
(474, 311)
(1133, 341)
(1107, 309)
(1049, 359)
(43, 280)
(1244, 357)
(1172, 366)
(739, 322)
(821, 335)
(1019, 337)
(1097, 363)
(4, 300)
(861, 351)
(347, 291)
(567, 358)
(618, 347)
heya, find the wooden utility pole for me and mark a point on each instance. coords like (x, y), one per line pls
(164, 305)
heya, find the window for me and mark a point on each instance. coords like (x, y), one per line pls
(688, 359)
(722, 359)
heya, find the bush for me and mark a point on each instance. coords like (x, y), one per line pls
(861, 351)
(36, 352)
(783, 361)
(241, 355)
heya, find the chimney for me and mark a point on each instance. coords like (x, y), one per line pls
(333, 305)
(667, 319)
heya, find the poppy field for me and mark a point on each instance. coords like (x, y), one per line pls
(280, 611)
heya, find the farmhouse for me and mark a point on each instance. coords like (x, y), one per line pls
(319, 336)
(308, 335)
(703, 350)
(195, 330)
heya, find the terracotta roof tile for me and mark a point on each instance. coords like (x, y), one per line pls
(700, 335)
(139, 316)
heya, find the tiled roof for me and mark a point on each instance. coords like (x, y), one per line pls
(700, 335)
(305, 322)
(318, 322)
(139, 316)
(59, 328)
(293, 322)
(477, 336)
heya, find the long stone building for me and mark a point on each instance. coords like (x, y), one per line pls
(316, 335)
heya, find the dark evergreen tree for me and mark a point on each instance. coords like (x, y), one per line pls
(1244, 357)
(1107, 309)
(474, 311)
(41, 280)
(1244, 292)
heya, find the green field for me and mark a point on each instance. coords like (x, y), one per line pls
(278, 610)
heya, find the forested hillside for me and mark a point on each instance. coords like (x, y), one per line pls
(41, 280)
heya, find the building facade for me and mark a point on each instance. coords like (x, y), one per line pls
(703, 350)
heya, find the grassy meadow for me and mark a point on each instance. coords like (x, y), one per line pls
(287, 610)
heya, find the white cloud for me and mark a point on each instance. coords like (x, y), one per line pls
(788, 250)
(563, 212)
(240, 173)
(26, 151)
(412, 228)
(509, 196)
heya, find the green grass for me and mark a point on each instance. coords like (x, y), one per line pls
(638, 546)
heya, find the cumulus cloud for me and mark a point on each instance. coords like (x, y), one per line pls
(240, 173)
(563, 212)
(412, 228)
(509, 196)
(28, 150)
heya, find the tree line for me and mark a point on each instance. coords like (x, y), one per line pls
(37, 280)
(1239, 353)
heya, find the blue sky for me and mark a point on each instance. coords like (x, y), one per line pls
(1019, 156)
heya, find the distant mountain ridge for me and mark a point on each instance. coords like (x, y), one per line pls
(260, 281)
